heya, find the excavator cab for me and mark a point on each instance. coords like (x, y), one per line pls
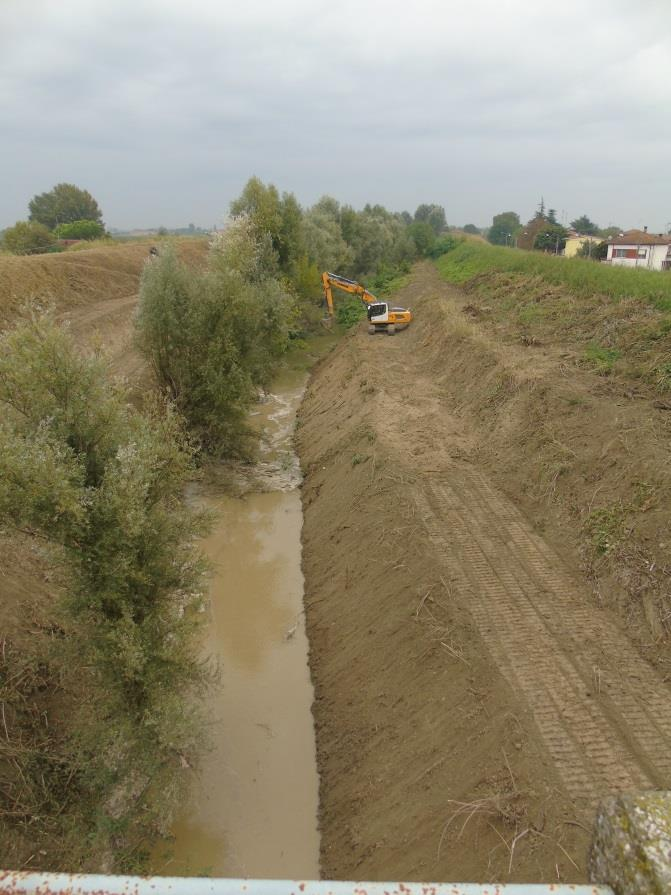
(378, 312)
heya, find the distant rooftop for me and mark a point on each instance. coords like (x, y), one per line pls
(640, 237)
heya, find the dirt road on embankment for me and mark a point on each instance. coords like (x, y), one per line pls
(473, 699)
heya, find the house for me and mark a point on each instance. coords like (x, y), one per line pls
(575, 241)
(638, 248)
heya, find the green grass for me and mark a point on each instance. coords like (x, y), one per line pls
(603, 359)
(605, 527)
(581, 276)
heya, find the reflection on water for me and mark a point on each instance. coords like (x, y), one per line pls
(253, 807)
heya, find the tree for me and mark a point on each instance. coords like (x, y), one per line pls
(423, 235)
(472, 229)
(261, 205)
(597, 251)
(64, 204)
(290, 238)
(214, 337)
(27, 238)
(327, 240)
(80, 230)
(551, 238)
(609, 231)
(584, 226)
(505, 227)
(434, 215)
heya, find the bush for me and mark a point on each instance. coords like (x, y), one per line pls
(214, 337)
(423, 236)
(104, 484)
(350, 311)
(443, 245)
(80, 230)
(27, 238)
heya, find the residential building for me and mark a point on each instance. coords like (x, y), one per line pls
(575, 241)
(638, 248)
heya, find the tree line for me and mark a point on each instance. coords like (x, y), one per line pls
(543, 232)
(214, 336)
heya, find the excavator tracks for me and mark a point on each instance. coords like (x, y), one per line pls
(602, 712)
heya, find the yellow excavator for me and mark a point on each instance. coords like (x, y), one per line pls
(381, 317)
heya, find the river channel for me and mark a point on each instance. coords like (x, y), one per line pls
(252, 810)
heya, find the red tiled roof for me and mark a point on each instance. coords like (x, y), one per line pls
(639, 237)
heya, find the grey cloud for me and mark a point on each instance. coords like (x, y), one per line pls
(163, 109)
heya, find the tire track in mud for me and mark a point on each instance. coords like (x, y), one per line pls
(603, 733)
(86, 318)
(113, 319)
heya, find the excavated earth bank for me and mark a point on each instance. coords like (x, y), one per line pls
(475, 694)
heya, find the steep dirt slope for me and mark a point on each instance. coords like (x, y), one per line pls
(473, 701)
(94, 290)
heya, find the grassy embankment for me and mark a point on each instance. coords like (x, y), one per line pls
(618, 318)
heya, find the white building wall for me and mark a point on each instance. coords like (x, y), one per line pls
(655, 256)
(659, 256)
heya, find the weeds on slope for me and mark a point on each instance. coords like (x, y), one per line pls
(101, 484)
(617, 320)
(581, 276)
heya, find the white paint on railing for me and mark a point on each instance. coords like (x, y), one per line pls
(30, 883)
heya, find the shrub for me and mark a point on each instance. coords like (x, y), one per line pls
(443, 245)
(423, 235)
(27, 238)
(350, 311)
(103, 484)
(80, 230)
(214, 337)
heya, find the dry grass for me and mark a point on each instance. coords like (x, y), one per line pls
(72, 279)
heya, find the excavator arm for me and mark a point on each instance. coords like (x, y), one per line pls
(334, 279)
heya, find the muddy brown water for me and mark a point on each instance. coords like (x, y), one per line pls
(252, 810)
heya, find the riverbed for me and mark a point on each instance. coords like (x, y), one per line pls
(252, 810)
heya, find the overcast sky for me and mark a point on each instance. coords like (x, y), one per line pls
(164, 108)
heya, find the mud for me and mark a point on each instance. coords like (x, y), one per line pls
(473, 699)
(253, 805)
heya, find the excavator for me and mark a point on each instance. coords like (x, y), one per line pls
(381, 317)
